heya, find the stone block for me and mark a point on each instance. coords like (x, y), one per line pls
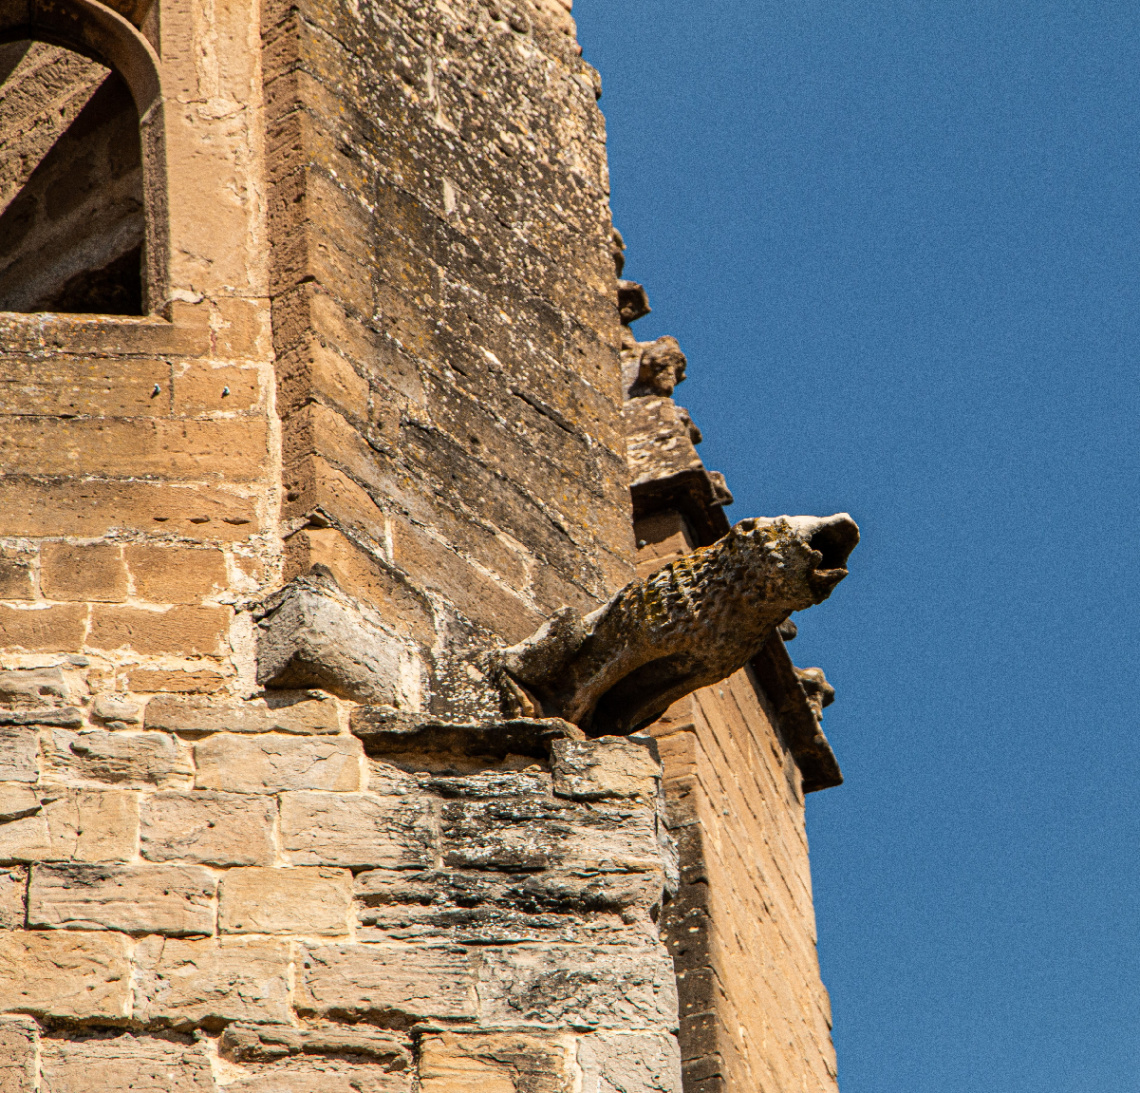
(175, 900)
(85, 571)
(144, 1064)
(530, 833)
(206, 715)
(364, 577)
(113, 707)
(188, 984)
(19, 754)
(16, 577)
(40, 629)
(206, 388)
(494, 1063)
(356, 830)
(312, 1074)
(610, 766)
(121, 758)
(29, 687)
(18, 1042)
(196, 681)
(407, 981)
(625, 1062)
(163, 574)
(180, 630)
(65, 823)
(78, 976)
(314, 635)
(270, 763)
(603, 987)
(303, 900)
(13, 888)
(208, 828)
(65, 506)
(253, 1043)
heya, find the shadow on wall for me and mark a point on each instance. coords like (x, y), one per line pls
(72, 222)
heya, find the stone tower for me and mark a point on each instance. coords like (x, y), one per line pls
(385, 703)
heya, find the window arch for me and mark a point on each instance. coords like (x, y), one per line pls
(82, 164)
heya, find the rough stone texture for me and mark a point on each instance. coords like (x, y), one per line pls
(80, 976)
(502, 1063)
(305, 900)
(355, 830)
(161, 899)
(690, 624)
(13, 887)
(120, 758)
(267, 764)
(208, 828)
(204, 984)
(202, 715)
(613, 1062)
(386, 981)
(18, 1038)
(143, 1064)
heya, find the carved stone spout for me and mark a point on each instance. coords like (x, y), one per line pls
(690, 624)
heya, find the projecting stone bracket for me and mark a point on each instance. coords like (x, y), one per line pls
(313, 634)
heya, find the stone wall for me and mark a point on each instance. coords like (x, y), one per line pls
(444, 320)
(371, 420)
(234, 896)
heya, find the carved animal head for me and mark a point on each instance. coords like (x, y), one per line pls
(692, 623)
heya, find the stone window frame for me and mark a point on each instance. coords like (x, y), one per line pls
(102, 34)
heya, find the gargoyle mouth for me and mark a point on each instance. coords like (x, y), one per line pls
(832, 540)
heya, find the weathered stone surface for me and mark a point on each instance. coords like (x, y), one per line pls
(527, 833)
(405, 981)
(208, 828)
(355, 830)
(314, 635)
(66, 823)
(303, 900)
(206, 983)
(120, 758)
(19, 755)
(590, 770)
(33, 687)
(65, 716)
(159, 899)
(267, 764)
(112, 707)
(606, 987)
(312, 1074)
(13, 886)
(246, 1043)
(142, 1064)
(497, 1063)
(192, 714)
(18, 1038)
(83, 976)
(623, 1062)
(692, 623)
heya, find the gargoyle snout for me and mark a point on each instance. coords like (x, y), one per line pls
(834, 539)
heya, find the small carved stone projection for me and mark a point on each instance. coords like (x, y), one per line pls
(820, 693)
(660, 368)
(689, 625)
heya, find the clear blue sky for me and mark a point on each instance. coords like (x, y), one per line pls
(900, 243)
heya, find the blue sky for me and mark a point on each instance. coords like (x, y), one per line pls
(900, 243)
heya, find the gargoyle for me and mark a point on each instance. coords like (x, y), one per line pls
(691, 624)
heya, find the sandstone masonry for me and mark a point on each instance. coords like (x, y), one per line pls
(325, 442)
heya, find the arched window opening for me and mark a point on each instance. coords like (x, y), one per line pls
(72, 216)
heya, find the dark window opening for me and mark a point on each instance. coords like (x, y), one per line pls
(72, 225)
